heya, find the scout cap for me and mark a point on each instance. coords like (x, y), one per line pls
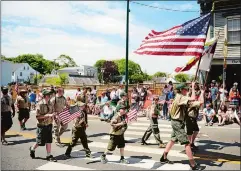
(182, 86)
(213, 81)
(235, 84)
(4, 88)
(122, 94)
(46, 92)
(122, 107)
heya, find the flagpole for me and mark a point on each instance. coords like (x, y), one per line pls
(225, 54)
(127, 45)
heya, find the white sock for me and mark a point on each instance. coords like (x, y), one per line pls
(32, 149)
(48, 154)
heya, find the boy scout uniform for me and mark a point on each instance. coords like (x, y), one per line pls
(117, 134)
(122, 103)
(178, 114)
(59, 103)
(153, 128)
(44, 126)
(23, 106)
(6, 116)
(78, 132)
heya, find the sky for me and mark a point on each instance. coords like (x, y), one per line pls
(90, 30)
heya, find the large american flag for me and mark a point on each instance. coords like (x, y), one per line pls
(183, 40)
(69, 114)
(131, 115)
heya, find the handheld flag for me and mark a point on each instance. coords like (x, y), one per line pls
(183, 40)
(69, 114)
(131, 115)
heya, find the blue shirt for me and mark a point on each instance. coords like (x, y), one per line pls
(170, 95)
(32, 97)
(104, 100)
(214, 93)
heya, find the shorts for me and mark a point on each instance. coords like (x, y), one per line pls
(23, 114)
(44, 135)
(6, 121)
(191, 124)
(178, 132)
(116, 141)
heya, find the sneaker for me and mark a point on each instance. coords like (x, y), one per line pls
(89, 155)
(51, 158)
(32, 153)
(198, 167)
(67, 156)
(103, 159)
(165, 161)
(194, 147)
(59, 144)
(206, 124)
(162, 145)
(24, 127)
(144, 143)
(124, 161)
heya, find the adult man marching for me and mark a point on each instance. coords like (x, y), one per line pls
(6, 115)
(59, 103)
(24, 106)
(178, 113)
(78, 132)
(153, 128)
(44, 115)
(193, 112)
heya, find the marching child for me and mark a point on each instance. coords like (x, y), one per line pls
(117, 131)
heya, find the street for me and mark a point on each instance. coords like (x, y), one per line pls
(219, 148)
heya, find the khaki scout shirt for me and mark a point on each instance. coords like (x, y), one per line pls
(179, 107)
(119, 130)
(155, 110)
(120, 103)
(78, 121)
(193, 109)
(59, 103)
(22, 103)
(42, 109)
(6, 104)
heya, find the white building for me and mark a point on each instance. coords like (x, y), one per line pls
(16, 72)
(83, 70)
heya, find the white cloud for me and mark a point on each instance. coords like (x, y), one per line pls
(182, 7)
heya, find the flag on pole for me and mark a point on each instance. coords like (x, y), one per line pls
(183, 40)
(131, 115)
(208, 57)
(69, 114)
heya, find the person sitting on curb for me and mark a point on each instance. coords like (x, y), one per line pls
(107, 113)
(209, 114)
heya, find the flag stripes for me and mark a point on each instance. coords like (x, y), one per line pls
(65, 116)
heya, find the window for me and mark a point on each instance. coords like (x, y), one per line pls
(28, 68)
(233, 30)
(21, 74)
(12, 73)
(23, 68)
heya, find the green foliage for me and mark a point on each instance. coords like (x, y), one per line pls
(111, 71)
(53, 81)
(37, 78)
(63, 78)
(192, 78)
(182, 77)
(66, 61)
(99, 64)
(160, 74)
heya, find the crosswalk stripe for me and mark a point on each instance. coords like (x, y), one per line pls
(145, 128)
(160, 125)
(59, 166)
(142, 133)
(130, 148)
(176, 166)
(134, 140)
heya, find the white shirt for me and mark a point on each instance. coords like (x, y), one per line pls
(107, 110)
(113, 94)
(119, 91)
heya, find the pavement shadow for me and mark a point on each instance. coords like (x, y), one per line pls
(12, 136)
(21, 141)
(210, 144)
(97, 135)
(30, 129)
(78, 143)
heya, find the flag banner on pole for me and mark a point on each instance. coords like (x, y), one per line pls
(183, 40)
(131, 115)
(69, 114)
(207, 57)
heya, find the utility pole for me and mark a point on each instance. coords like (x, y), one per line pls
(127, 45)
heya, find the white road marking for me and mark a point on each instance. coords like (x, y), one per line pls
(59, 166)
(145, 128)
(160, 125)
(142, 133)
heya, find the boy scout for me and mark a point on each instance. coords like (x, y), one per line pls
(24, 106)
(178, 114)
(6, 115)
(153, 128)
(119, 126)
(193, 112)
(44, 115)
(78, 132)
(59, 102)
(123, 102)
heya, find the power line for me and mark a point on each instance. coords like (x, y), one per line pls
(161, 8)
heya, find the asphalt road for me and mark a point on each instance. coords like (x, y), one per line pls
(219, 149)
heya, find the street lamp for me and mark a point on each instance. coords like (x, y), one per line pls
(102, 71)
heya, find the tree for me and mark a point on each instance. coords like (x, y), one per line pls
(182, 77)
(66, 61)
(53, 81)
(63, 78)
(37, 78)
(111, 70)
(160, 74)
(99, 64)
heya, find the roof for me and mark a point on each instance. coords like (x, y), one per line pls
(70, 68)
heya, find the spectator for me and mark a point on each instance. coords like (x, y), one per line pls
(222, 115)
(119, 91)
(114, 97)
(214, 95)
(207, 96)
(142, 97)
(165, 105)
(208, 114)
(223, 94)
(78, 93)
(108, 113)
(107, 93)
(104, 98)
(170, 85)
(232, 113)
(234, 97)
(138, 87)
(32, 99)
(134, 97)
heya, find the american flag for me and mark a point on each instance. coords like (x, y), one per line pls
(131, 115)
(183, 40)
(69, 114)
